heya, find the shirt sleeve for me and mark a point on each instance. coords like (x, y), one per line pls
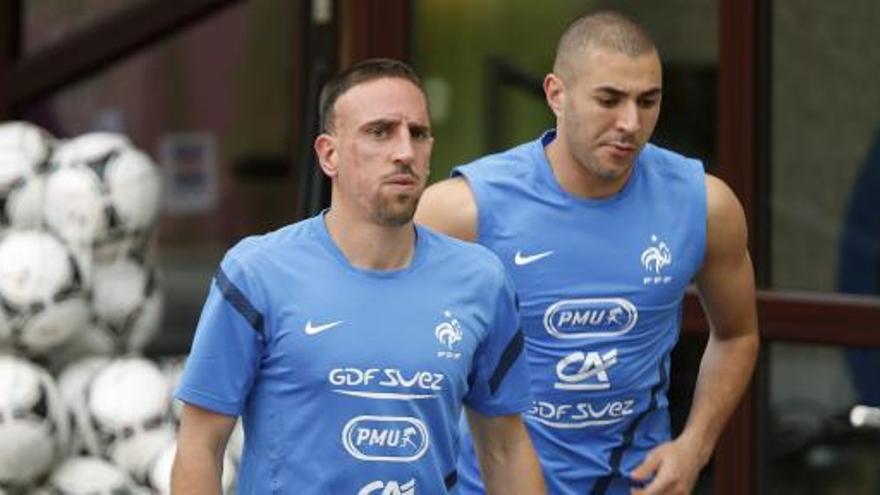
(228, 344)
(475, 177)
(499, 381)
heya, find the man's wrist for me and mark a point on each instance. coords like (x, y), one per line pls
(698, 445)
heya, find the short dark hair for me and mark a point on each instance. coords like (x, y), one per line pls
(604, 29)
(359, 73)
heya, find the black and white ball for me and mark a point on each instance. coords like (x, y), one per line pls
(73, 381)
(34, 142)
(94, 340)
(33, 423)
(127, 301)
(128, 408)
(89, 475)
(21, 191)
(87, 147)
(24, 154)
(42, 298)
(172, 367)
(235, 445)
(102, 192)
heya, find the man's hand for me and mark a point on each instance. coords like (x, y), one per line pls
(669, 469)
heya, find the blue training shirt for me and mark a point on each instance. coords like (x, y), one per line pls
(351, 381)
(600, 283)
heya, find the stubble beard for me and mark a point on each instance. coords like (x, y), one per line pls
(396, 210)
(594, 166)
(586, 155)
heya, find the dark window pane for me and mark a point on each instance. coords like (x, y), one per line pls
(48, 21)
(825, 146)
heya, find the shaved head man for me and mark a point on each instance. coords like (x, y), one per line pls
(602, 232)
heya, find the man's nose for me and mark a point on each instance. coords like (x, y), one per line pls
(404, 150)
(628, 118)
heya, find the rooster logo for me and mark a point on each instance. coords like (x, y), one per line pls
(657, 256)
(448, 332)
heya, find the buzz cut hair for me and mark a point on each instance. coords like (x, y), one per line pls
(359, 73)
(605, 29)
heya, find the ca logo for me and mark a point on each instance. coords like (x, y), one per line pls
(389, 488)
(590, 370)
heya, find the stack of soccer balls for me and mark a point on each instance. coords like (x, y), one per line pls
(76, 264)
(80, 410)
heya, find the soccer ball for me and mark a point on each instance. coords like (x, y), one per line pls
(88, 475)
(235, 445)
(42, 299)
(102, 193)
(93, 340)
(33, 142)
(24, 153)
(87, 147)
(127, 301)
(72, 384)
(21, 190)
(127, 404)
(33, 423)
(172, 368)
(159, 478)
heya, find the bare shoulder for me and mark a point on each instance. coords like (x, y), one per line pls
(726, 280)
(726, 222)
(448, 206)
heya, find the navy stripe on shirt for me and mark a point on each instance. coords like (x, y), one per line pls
(511, 352)
(451, 480)
(604, 482)
(239, 301)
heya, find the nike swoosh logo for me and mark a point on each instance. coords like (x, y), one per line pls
(314, 330)
(521, 259)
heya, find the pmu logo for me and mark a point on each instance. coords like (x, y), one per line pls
(585, 371)
(449, 333)
(389, 488)
(583, 318)
(654, 258)
(385, 438)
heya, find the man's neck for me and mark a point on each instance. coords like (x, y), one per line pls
(367, 245)
(574, 178)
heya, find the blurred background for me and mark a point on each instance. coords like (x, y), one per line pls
(779, 98)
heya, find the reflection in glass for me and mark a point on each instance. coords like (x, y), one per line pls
(810, 445)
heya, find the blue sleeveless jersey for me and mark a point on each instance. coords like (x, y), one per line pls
(351, 381)
(601, 284)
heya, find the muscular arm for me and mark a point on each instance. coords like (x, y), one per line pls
(201, 443)
(727, 291)
(507, 459)
(449, 207)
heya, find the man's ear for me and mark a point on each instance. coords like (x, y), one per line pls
(325, 149)
(554, 92)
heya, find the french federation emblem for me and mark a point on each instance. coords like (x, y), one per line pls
(449, 333)
(654, 258)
